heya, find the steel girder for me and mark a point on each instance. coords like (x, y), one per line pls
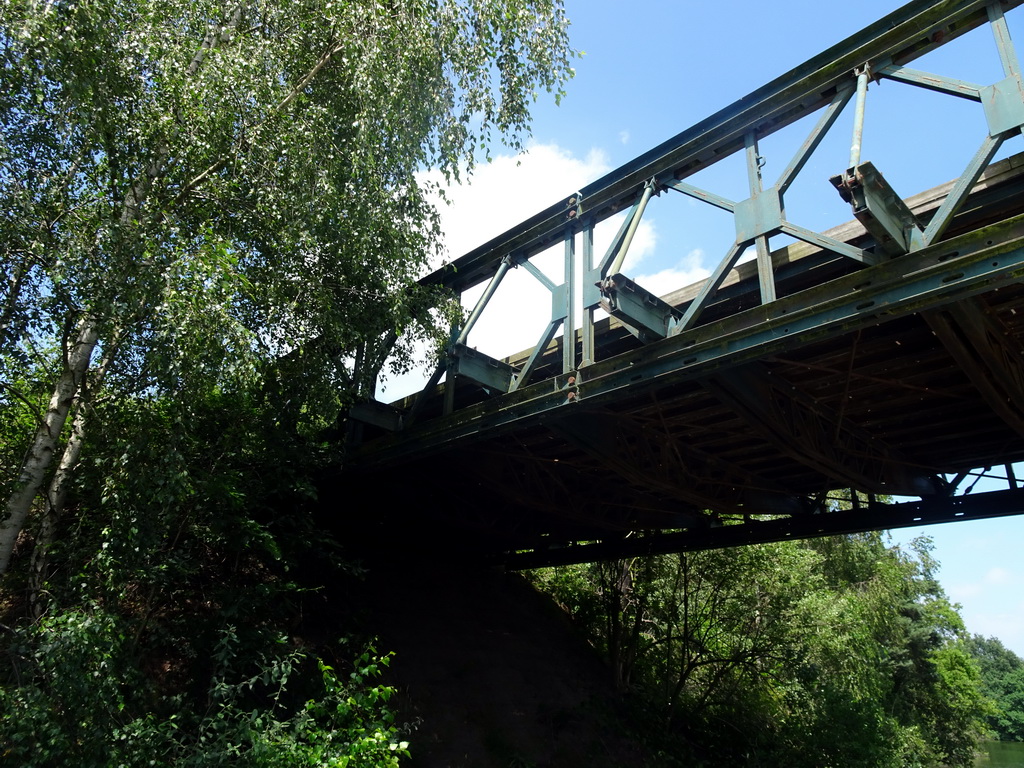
(715, 338)
(877, 516)
(987, 354)
(897, 39)
(955, 269)
(798, 425)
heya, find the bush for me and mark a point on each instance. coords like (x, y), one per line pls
(76, 696)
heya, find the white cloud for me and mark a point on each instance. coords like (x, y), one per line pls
(688, 271)
(509, 189)
(645, 240)
(998, 576)
(987, 611)
(964, 591)
(624, 137)
(1008, 627)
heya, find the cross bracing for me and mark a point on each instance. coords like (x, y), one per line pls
(879, 358)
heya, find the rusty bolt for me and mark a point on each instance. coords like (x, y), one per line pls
(572, 380)
(572, 395)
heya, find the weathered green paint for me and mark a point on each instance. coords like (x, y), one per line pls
(955, 269)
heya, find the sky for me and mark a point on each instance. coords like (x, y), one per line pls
(652, 68)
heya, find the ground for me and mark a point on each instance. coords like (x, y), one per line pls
(493, 674)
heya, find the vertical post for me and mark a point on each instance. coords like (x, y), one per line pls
(357, 369)
(449, 392)
(569, 326)
(765, 271)
(451, 374)
(588, 311)
(858, 116)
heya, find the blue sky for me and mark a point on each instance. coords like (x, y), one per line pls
(651, 69)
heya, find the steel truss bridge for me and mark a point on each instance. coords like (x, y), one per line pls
(790, 395)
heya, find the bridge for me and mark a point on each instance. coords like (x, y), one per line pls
(859, 378)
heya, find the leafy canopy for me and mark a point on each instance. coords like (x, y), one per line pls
(216, 183)
(210, 227)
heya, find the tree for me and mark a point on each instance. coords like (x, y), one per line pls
(210, 227)
(194, 194)
(1002, 675)
(836, 651)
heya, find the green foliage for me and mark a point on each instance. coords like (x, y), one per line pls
(210, 227)
(247, 172)
(1002, 676)
(202, 196)
(833, 652)
(162, 639)
(78, 699)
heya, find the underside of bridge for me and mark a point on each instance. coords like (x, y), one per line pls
(792, 395)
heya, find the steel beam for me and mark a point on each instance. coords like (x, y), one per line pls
(483, 369)
(638, 308)
(814, 435)
(877, 517)
(877, 206)
(983, 348)
(898, 38)
(377, 414)
(930, 82)
(514, 483)
(958, 194)
(650, 459)
(949, 271)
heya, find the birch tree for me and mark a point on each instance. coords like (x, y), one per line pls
(192, 191)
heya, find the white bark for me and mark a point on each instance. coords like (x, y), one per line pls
(44, 443)
(76, 360)
(56, 498)
(57, 493)
(14, 284)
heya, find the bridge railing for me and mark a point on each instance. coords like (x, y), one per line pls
(825, 86)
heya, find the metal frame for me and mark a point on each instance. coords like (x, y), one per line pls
(827, 83)
(904, 264)
(949, 271)
(874, 516)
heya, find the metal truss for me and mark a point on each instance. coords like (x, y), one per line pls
(942, 258)
(871, 515)
(959, 268)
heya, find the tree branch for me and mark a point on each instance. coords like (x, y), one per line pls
(296, 89)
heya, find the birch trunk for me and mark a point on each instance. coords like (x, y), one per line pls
(11, 302)
(44, 443)
(56, 498)
(76, 360)
(57, 494)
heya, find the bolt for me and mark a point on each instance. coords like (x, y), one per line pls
(572, 395)
(572, 380)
